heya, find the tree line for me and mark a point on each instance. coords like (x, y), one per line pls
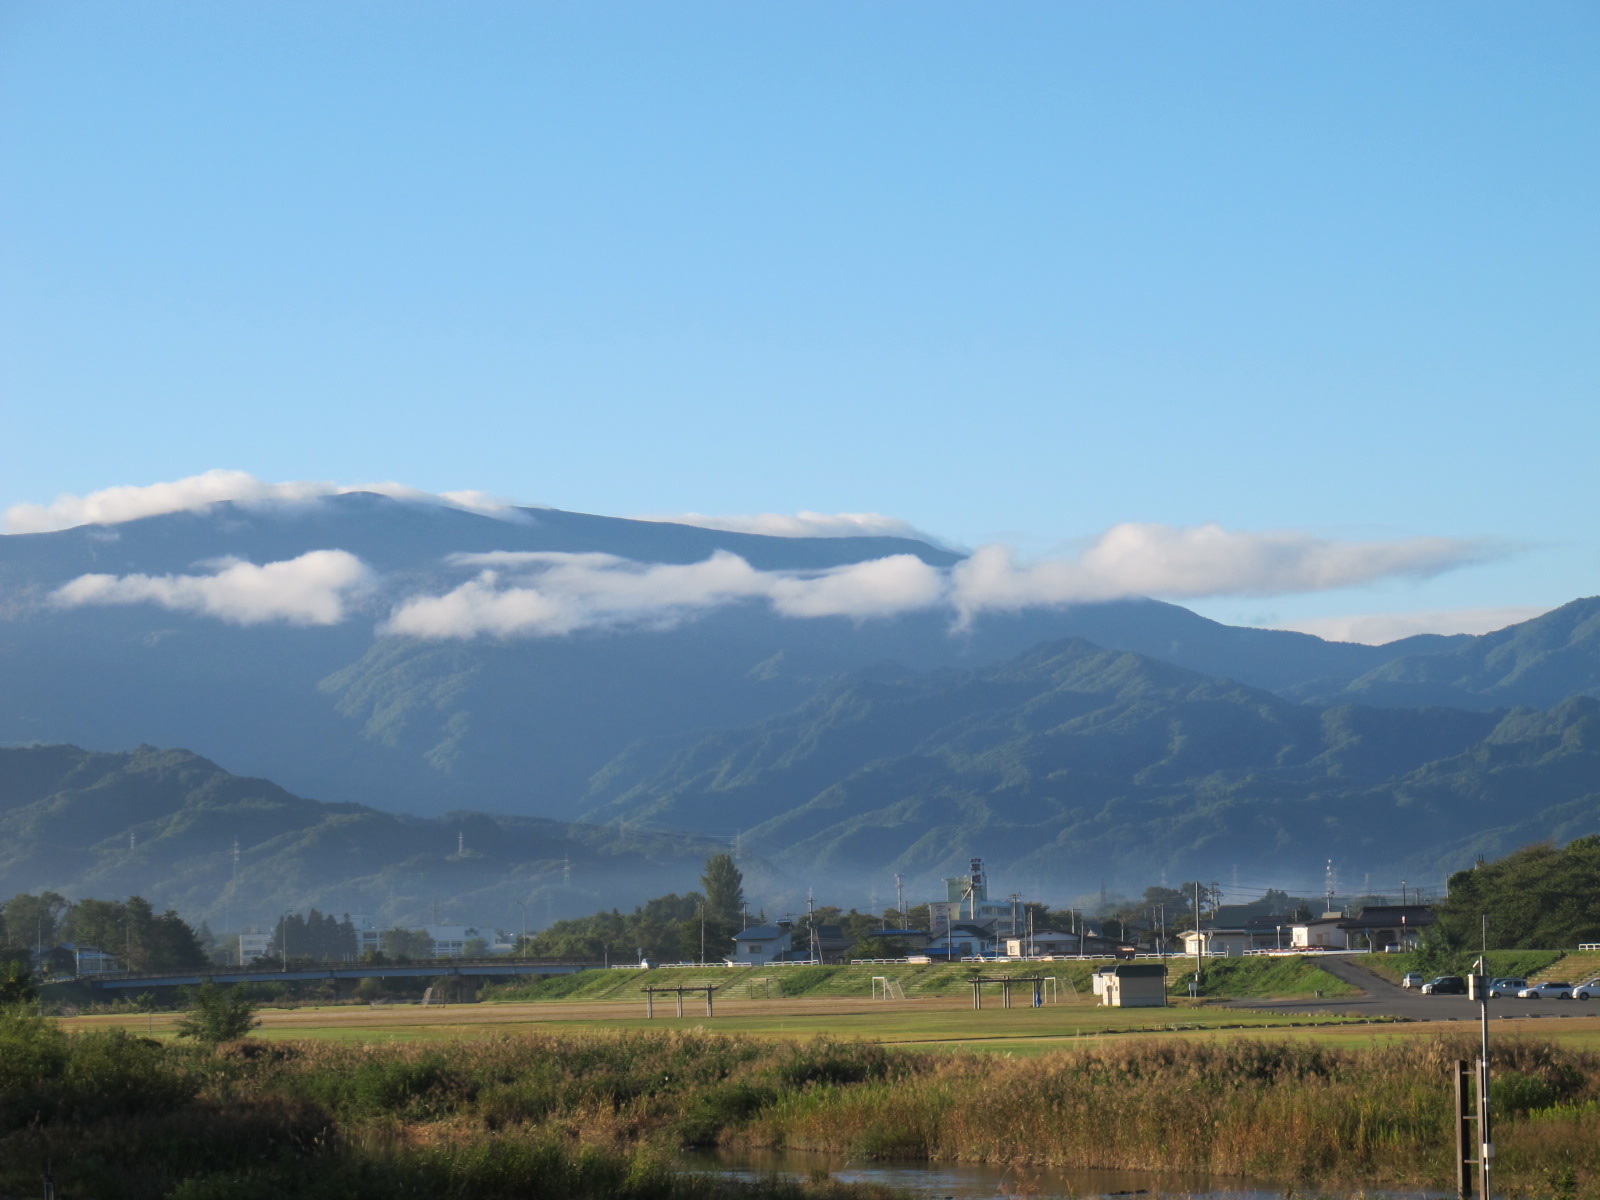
(139, 937)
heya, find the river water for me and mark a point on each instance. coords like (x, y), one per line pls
(977, 1181)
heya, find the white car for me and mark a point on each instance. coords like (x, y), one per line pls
(1587, 991)
(1505, 987)
(1550, 990)
(1413, 979)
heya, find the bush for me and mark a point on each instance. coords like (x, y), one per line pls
(220, 1014)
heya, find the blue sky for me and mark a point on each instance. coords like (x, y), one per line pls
(1013, 272)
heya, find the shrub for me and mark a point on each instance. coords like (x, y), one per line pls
(219, 1015)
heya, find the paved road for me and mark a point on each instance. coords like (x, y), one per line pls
(1380, 998)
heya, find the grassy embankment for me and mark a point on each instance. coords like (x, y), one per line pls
(1222, 977)
(581, 1116)
(1525, 964)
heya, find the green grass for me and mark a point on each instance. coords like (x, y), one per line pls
(1021, 1029)
(1526, 964)
(1259, 977)
(1256, 976)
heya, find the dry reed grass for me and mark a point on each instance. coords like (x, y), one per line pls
(601, 1116)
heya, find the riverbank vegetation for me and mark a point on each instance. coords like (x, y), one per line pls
(588, 1115)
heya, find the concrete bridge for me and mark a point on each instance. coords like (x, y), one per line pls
(432, 968)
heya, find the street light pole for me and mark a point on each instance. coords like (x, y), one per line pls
(522, 945)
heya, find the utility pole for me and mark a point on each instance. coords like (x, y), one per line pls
(811, 924)
(900, 898)
(1199, 938)
(1485, 1130)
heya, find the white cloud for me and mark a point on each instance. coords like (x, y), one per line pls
(880, 588)
(112, 505)
(803, 524)
(548, 594)
(1376, 629)
(309, 590)
(1161, 560)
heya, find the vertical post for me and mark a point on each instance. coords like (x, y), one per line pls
(977, 998)
(709, 1013)
(679, 995)
(1464, 1159)
(649, 1004)
(1485, 1141)
(1485, 1129)
(1199, 940)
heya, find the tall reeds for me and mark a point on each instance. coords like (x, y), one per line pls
(601, 1116)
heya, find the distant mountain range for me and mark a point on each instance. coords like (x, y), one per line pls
(166, 824)
(1133, 735)
(1079, 762)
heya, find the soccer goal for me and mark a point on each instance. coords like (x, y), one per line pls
(885, 987)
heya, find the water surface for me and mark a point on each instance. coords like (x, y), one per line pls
(980, 1181)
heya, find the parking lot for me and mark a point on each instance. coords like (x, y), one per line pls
(1382, 998)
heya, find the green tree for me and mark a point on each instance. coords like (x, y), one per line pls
(16, 981)
(1538, 898)
(132, 930)
(724, 889)
(219, 1014)
(407, 943)
(36, 921)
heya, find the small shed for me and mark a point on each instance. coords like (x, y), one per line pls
(1132, 985)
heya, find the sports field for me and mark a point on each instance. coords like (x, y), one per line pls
(933, 1023)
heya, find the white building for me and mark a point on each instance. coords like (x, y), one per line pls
(1044, 944)
(253, 946)
(763, 944)
(449, 941)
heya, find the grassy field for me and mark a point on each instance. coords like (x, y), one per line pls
(934, 1023)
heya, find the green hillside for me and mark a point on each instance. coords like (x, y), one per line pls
(1072, 759)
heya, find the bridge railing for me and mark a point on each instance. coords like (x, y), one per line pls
(268, 971)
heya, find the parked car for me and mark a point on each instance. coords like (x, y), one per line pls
(1549, 990)
(1506, 987)
(1413, 979)
(1587, 991)
(1445, 985)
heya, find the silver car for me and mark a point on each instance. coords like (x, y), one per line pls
(1550, 990)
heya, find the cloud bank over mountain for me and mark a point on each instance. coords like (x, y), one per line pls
(110, 506)
(805, 524)
(551, 593)
(309, 590)
(1378, 629)
(554, 593)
